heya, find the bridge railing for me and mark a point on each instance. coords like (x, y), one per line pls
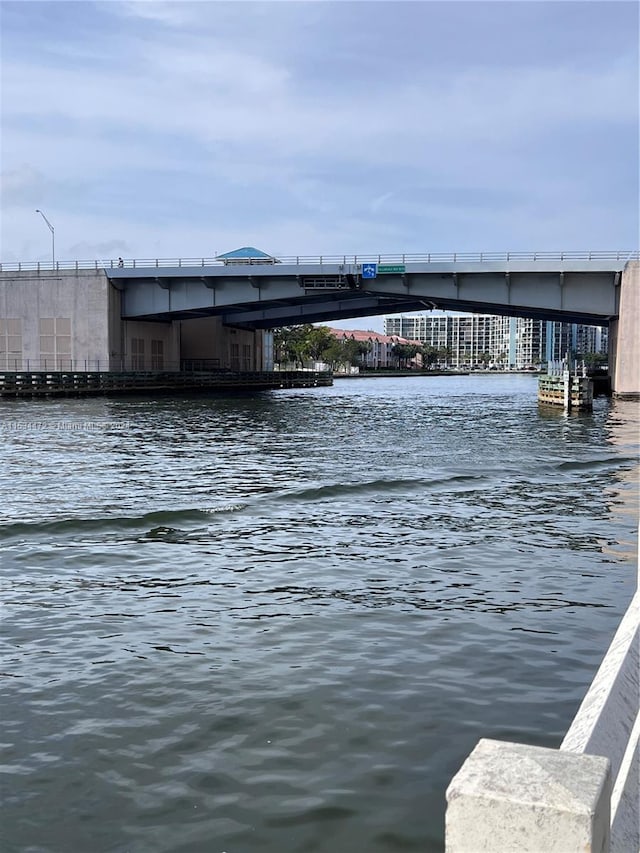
(315, 260)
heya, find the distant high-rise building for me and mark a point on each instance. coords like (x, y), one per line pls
(470, 340)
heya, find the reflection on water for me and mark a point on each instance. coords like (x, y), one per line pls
(282, 622)
(623, 494)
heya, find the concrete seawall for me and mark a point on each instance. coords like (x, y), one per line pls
(41, 384)
(582, 798)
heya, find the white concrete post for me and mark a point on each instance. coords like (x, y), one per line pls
(512, 798)
(566, 380)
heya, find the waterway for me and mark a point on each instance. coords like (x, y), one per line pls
(280, 623)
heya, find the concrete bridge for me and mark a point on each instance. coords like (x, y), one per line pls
(573, 287)
(594, 288)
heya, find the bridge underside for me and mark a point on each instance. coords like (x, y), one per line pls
(367, 305)
(324, 310)
(267, 297)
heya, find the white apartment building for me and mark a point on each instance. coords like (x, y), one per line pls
(469, 340)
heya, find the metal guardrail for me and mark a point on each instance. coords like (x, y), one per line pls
(315, 260)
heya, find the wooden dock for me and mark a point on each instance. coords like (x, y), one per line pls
(39, 383)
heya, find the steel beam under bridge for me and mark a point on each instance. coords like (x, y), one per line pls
(258, 295)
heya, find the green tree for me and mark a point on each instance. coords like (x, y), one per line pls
(355, 350)
(318, 340)
(404, 352)
(429, 355)
(290, 343)
(594, 359)
(334, 354)
(299, 343)
(345, 352)
(444, 355)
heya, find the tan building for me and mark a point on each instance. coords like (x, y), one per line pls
(380, 354)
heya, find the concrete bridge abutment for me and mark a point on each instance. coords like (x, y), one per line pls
(624, 336)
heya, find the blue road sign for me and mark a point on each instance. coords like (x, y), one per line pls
(369, 270)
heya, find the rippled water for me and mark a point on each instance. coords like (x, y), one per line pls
(280, 623)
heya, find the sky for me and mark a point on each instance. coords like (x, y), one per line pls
(186, 129)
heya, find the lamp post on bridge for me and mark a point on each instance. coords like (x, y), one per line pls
(53, 238)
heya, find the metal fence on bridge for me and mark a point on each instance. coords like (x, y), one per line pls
(320, 260)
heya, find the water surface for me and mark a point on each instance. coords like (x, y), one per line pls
(280, 623)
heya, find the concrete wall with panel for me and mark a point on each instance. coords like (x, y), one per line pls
(54, 321)
(71, 320)
(208, 344)
(148, 346)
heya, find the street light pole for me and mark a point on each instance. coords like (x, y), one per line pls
(53, 238)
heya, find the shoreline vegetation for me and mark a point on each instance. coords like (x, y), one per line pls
(358, 352)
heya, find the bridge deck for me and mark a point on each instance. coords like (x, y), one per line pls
(569, 286)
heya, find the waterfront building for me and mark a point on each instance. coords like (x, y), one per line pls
(462, 340)
(476, 340)
(380, 354)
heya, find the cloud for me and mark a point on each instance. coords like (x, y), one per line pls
(23, 185)
(105, 250)
(379, 201)
(245, 123)
(201, 123)
(175, 14)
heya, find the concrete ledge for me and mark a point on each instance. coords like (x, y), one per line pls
(512, 798)
(608, 723)
(625, 804)
(608, 712)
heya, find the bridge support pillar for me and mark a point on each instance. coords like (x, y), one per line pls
(624, 336)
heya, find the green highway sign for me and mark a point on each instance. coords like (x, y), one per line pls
(382, 268)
